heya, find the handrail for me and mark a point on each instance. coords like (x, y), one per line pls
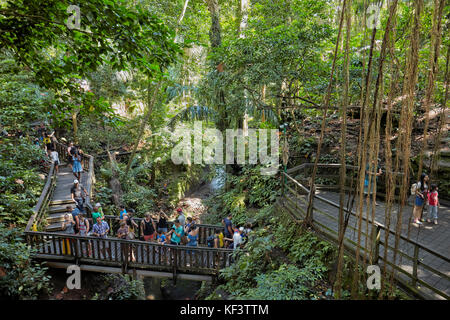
(327, 165)
(40, 204)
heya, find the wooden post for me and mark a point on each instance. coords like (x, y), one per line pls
(376, 235)
(310, 209)
(415, 263)
(124, 247)
(175, 263)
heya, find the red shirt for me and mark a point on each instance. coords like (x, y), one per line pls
(433, 198)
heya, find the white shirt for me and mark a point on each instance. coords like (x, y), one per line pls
(54, 156)
(237, 239)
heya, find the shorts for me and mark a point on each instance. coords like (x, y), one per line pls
(419, 201)
(174, 243)
(162, 230)
(149, 237)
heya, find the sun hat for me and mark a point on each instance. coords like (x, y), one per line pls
(76, 181)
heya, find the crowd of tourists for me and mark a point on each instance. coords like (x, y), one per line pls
(153, 227)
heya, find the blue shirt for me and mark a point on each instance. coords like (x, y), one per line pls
(227, 224)
(100, 228)
(162, 237)
(122, 213)
(178, 230)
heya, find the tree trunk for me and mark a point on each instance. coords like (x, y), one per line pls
(75, 127)
(150, 103)
(114, 183)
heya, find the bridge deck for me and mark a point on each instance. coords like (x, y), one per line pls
(434, 237)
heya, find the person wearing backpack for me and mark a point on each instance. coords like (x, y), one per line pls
(421, 190)
(83, 229)
(215, 240)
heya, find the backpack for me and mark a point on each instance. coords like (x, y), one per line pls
(210, 241)
(414, 188)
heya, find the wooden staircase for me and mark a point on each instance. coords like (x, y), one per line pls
(56, 212)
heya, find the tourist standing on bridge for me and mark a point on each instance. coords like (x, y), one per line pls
(237, 238)
(228, 229)
(433, 204)
(101, 229)
(193, 236)
(176, 233)
(122, 233)
(181, 218)
(162, 222)
(83, 230)
(187, 227)
(132, 226)
(74, 213)
(421, 190)
(122, 212)
(148, 227)
(161, 237)
(68, 228)
(97, 214)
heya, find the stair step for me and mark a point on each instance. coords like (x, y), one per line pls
(58, 208)
(57, 226)
(54, 218)
(61, 202)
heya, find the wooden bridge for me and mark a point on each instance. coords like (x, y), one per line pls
(422, 264)
(112, 255)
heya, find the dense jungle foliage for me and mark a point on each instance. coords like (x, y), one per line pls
(133, 72)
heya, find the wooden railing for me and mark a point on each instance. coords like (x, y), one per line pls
(44, 199)
(411, 273)
(327, 177)
(128, 253)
